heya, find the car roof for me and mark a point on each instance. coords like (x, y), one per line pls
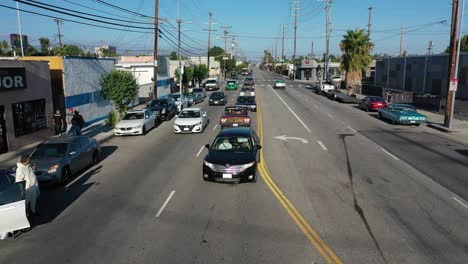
(402, 105)
(60, 139)
(137, 111)
(192, 109)
(238, 131)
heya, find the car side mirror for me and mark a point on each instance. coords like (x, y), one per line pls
(147, 117)
(204, 115)
(72, 153)
(207, 146)
(259, 147)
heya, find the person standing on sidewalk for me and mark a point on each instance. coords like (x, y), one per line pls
(76, 122)
(58, 122)
(81, 120)
(389, 97)
(24, 172)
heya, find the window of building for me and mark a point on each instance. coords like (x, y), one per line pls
(29, 116)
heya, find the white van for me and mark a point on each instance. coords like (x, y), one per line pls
(212, 84)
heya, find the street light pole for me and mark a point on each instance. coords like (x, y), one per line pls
(155, 51)
(19, 26)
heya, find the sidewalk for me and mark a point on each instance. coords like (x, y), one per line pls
(99, 131)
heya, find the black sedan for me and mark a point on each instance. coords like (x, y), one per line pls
(247, 101)
(233, 156)
(217, 98)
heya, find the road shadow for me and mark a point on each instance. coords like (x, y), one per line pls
(463, 152)
(94, 130)
(106, 151)
(53, 201)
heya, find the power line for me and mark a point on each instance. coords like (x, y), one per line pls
(70, 20)
(122, 9)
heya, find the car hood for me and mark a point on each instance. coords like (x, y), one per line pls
(130, 123)
(43, 164)
(188, 121)
(216, 97)
(232, 158)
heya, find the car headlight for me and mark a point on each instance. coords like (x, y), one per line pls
(199, 123)
(138, 127)
(211, 100)
(222, 99)
(53, 169)
(209, 165)
(246, 166)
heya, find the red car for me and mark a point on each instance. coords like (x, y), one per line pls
(373, 103)
(235, 116)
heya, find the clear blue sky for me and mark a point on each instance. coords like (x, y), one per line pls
(255, 22)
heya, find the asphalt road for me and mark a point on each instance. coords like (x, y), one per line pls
(353, 190)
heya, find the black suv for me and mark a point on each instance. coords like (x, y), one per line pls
(164, 107)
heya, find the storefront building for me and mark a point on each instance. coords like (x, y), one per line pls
(25, 103)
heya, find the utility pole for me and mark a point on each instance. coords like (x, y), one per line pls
(453, 64)
(296, 8)
(312, 50)
(276, 48)
(369, 22)
(59, 34)
(19, 27)
(155, 49)
(282, 47)
(232, 47)
(429, 48)
(181, 70)
(401, 39)
(225, 47)
(209, 38)
(327, 53)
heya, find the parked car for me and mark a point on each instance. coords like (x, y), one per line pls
(337, 95)
(180, 101)
(13, 211)
(197, 92)
(280, 84)
(235, 116)
(189, 98)
(323, 87)
(217, 98)
(58, 158)
(336, 81)
(402, 114)
(231, 85)
(136, 122)
(373, 103)
(212, 84)
(247, 101)
(191, 120)
(233, 156)
(164, 107)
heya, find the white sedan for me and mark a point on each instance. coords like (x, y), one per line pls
(191, 120)
(136, 122)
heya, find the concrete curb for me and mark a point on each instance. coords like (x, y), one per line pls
(441, 128)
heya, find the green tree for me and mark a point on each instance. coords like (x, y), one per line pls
(45, 45)
(106, 53)
(463, 45)
(30, 51)
(241, 66)
(173, 56)
(67, 50)
(200, 72)
(216, 51)
(331, 57)
(356, 47)
(121, 88)
(186, 77)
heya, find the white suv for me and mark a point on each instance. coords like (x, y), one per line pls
(212, 84)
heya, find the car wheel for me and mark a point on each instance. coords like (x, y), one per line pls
(66, 174)
(381, 116)
(418, 124)
(143, 131)
(95, 158)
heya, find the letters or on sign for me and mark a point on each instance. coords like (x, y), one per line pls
(12, 78)
(453, 85)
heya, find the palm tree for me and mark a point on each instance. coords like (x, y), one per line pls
(356, 47)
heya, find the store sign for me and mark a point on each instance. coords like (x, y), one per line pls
(12, 78)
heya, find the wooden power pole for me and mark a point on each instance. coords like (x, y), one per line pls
(155, 51)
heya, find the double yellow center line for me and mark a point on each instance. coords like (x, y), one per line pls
(310, 233)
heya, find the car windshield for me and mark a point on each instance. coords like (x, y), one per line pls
(232, 144)
(176, 97)
(376, 99)
(211, 81)
(235, 111)
(158, 102)
(404, 108)
(198, 90)
(218, 94)
(280, 81)
(231, 82)
(242, 99)
(50, 150)
(189, 114)
(134, 116)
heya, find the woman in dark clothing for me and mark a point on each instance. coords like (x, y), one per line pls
(58, 122)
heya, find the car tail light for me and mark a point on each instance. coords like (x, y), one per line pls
(223, 120)
(246, 120)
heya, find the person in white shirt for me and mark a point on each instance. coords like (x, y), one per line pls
(24, 172)
(225, 145)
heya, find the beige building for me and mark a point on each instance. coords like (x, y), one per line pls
(25, 103)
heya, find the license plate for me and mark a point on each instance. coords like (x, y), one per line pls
(227, 176)
(185, 128)
(412, 122)
(235, 125)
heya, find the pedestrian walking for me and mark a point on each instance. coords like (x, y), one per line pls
(58, 122)
(389, 97)
(76, 122)
(80, 119)
(24, 172)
